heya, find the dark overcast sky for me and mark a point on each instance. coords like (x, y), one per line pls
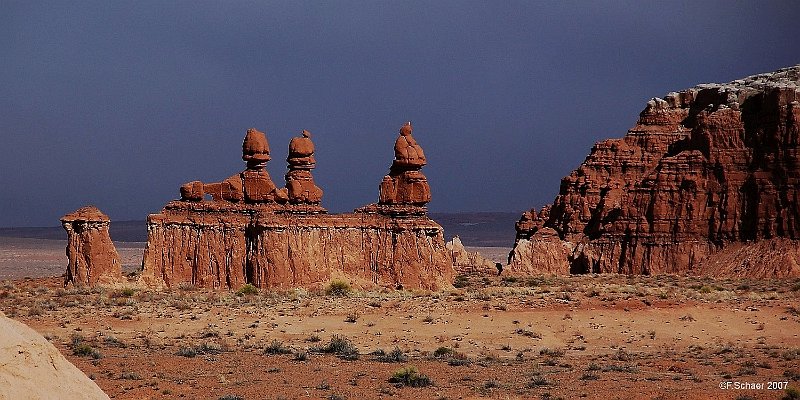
(117, 103)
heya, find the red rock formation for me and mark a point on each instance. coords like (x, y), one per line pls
(225, 244)
(701, 170)
(405, 183)
(468, 262)
(253, 185)
(93, 259)
(299, 181)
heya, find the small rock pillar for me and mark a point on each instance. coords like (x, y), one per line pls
(93, 259)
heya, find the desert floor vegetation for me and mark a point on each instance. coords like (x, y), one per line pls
(660, 337)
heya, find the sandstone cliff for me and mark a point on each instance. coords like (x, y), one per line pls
(703, 169)
(93, 259)
(216, 245)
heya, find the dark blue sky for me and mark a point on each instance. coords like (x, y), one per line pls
(118, 103)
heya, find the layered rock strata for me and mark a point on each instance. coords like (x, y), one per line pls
(93, 259)
(702, 170)
(270, 243)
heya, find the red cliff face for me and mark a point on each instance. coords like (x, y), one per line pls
(704, 171)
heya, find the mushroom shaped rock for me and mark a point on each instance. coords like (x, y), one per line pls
(255, 149)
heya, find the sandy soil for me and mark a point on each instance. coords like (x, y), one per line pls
(597, 337)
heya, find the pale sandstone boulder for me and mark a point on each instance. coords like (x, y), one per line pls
(32, 368)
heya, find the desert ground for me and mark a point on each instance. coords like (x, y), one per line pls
(539, 337)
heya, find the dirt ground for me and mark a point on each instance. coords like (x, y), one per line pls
(596, 337)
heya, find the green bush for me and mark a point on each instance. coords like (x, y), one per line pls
(409, 376)
(338, 288)
(247, 290)
(394, 356)
(341, 347)
(276, 347)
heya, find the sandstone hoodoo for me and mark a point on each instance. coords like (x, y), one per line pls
(299, 181)
(705, 174)
(93, 259)
(405, 183)
(253, 232)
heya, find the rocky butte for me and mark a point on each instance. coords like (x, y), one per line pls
(247, 230)
(706, 182)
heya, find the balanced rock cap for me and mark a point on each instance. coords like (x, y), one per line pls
(87, 213)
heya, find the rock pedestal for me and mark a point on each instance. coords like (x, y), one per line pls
(299, 181)
(405, 184)
(702, 170)
(93, 259)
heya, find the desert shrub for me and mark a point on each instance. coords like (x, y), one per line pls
(791, 394)
(409, 376)
(352, 317)
(247, 290)
(79, 348)
(442, 352)
(452, 357)
(394, 356)
(204, 348)
(537, 381)
(109, 340)
(589, 377)
(313, 338)
(527, 333)
(276, 347)
(546, 351)
(622, 355)
(130, 376)
(461, 281)
(508, 279)
(338, 288)
(341, 347)
(491, 384)
(188, 352)
(301, 355)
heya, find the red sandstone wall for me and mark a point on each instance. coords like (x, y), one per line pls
(226, 247)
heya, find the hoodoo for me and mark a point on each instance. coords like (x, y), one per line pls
(707, 182)
(93, 259)
(253, 232)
